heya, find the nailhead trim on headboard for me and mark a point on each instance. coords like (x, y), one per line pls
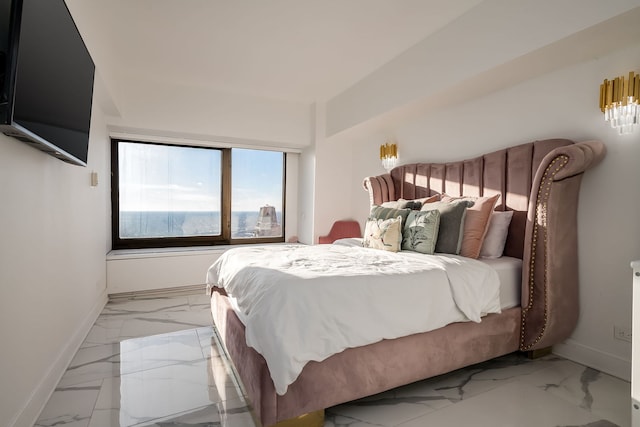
(540, 222)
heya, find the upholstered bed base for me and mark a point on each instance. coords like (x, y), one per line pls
(363, 371)
(540, 182)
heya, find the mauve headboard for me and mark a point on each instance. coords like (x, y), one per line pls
(540, 182)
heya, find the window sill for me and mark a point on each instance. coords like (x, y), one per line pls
(119, 254)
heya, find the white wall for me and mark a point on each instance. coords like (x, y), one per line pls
(135, 271)
(563, 104)
(171, 109)
(331, 198)
(52, 267)
(94, 19)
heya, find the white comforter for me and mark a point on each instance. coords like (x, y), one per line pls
(303, 303)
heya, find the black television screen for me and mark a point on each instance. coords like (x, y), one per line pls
(47, 84)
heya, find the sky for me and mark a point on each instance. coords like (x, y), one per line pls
(157, 177)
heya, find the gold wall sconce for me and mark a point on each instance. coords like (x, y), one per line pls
(619, 99)
(389, 156)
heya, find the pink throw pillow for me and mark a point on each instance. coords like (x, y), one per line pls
(476, 223)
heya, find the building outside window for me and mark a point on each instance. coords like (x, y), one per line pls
(257, 179)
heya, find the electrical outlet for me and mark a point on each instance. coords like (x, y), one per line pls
(622, 333)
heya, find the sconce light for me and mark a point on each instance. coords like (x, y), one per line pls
(389, 156)
(619, 102)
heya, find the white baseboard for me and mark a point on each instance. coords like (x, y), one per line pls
(29, 413)
(597, 359)
(155, 293)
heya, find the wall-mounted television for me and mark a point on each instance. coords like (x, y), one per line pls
(46, 78)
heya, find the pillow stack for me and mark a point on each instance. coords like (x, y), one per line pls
(466, 226)
(476, 223)
(452, 219)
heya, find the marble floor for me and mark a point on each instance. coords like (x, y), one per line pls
(156, 362)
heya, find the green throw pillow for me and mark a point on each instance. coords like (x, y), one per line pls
(421, 231)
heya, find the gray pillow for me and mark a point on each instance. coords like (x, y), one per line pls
(451, 224)
(378, 212)
(421, 231)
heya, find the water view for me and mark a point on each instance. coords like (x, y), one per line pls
(244, 224)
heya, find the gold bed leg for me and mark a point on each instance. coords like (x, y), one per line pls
(535, 354)
(312, 419)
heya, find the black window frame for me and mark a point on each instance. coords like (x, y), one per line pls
(225, 214)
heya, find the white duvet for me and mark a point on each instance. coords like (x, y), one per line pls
(303, 303)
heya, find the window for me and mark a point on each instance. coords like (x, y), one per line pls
(169, 195)
(256, 193)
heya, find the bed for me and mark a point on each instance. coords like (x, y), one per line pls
(538, 181)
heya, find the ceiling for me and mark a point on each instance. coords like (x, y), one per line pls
(295, 50)
(257, 65)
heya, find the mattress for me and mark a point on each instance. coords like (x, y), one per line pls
(509, 271)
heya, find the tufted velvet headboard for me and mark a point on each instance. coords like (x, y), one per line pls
(540, 182)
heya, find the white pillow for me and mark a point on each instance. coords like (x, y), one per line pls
(394, 204)
(496, 236)
(385, 234)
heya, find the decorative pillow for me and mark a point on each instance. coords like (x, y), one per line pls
(414, 204)
(394, 204)
(379, 212)
(476, 223)
(493, 245)
(384, 234)
(452, 216)
(411, 204)
(418, 203)
(430, 199)
(420, 232)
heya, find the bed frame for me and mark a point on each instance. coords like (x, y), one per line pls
(540, 182)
